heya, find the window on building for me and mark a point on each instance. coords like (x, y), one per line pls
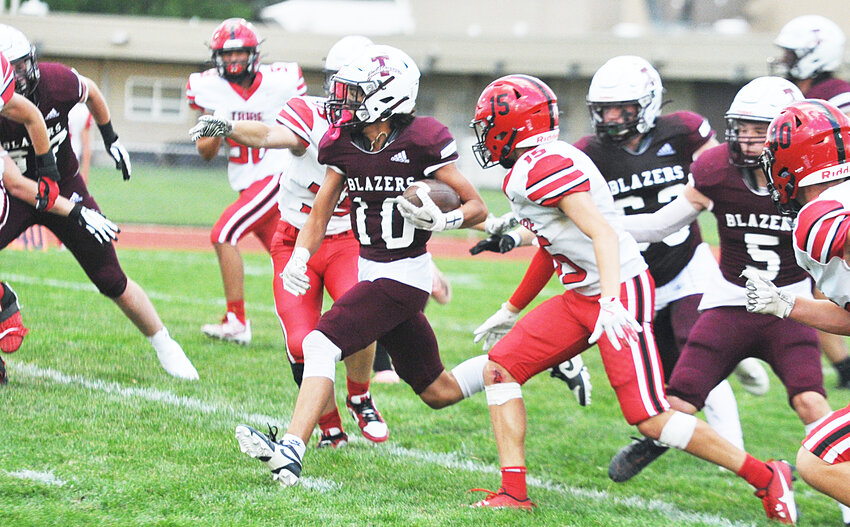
(155, 99)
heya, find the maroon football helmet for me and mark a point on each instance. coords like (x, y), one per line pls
(235, 34)
(807, 144)
(514, 111)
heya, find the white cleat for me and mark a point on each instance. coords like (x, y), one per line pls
(172, 357)
(230, 329)
(752, 376)
(283, 458)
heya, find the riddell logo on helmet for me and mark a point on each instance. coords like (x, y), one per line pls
(836, 172)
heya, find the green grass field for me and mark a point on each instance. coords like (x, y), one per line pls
(96, 433)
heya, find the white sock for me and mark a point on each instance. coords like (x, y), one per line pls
(814, 424)
(845, 512)
(469, 375)
(159, 338)
(721, 414)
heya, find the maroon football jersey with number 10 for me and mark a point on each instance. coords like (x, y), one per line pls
(375, 179)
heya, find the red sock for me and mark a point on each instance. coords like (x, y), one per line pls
(513, 482)
(357, 388)
(330, 420)
(756, 472)
(237, 307)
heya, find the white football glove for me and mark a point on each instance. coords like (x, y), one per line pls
(500, 224)
(294, 275)
(495, 327)
(211, 126)
(428, 217)
(122, 158)
(764, 297)
(103, 230)
(617, 323)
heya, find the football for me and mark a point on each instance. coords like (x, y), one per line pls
(440, 193)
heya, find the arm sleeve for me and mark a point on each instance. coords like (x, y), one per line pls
(663, 222)
(538, 274)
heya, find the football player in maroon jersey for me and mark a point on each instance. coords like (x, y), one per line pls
(813, 49)
(374, 150)
(753, 238)
(300, 126)
(805, 161)
(55, 89)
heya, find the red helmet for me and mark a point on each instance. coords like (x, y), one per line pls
(807, 144)
(235, 34)
(514, 111)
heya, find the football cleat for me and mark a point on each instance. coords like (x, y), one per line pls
(333, 438)
(576, 375)
(282, 457)
(231, 329)
(632, 458)
(752, 376)
(12, 330)
(778, 497)
(4, 379)
(173, 358)
(501, 500)
(365, 413)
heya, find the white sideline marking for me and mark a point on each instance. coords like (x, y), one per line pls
(446, 460)
(41, 477)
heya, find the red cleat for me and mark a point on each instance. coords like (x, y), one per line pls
(777, 497)
(502, 500)
(365, 413)
(12, 330)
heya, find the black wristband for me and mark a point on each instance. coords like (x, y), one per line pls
(76, 213)
(45, 160)
(107, 133)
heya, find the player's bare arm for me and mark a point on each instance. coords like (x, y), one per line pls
(581, 210)
(310, 237)
(473, 207)
(21, 110)
(96, 103)
(257, 134)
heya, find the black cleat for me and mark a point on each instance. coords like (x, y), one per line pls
(633, 458)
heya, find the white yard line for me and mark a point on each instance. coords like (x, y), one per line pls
(46, 478)
(446, 460)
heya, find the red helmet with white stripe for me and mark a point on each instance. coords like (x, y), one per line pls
(807, 143)
(513, 112)
(235, 34)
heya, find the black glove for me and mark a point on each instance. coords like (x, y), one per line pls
(45, 166)
(497, 243)
(115, 149)
(48, 191)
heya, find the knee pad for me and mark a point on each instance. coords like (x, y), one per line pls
(320, 356)
(297, 372)
(678, 430)
(499, 394)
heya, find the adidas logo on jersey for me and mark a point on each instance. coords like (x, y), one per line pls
(54, 113)
(665, 150)
(401, 157)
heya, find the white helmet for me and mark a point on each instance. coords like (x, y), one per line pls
(626, 79)
(382, 81)
(17, 49)
(760, 100)
(813, 44)
(341, 53)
